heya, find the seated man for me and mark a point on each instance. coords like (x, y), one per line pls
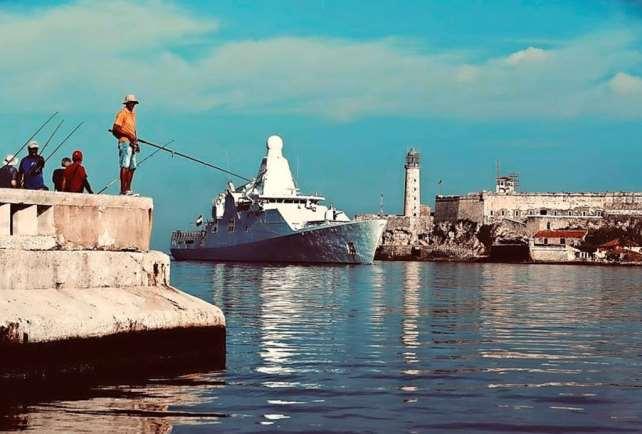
(9, 173)
(75, 176)
(58, 174)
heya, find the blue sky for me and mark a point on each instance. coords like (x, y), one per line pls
(553, 89)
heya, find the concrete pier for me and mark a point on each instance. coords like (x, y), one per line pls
(81, 292)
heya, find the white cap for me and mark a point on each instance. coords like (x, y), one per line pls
(130, 98)
(32, 145)
(10, 159)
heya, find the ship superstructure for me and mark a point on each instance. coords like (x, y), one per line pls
(269, 220)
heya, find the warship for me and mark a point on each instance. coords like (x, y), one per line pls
(269, 220)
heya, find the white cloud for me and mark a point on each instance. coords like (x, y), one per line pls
(626, 84)
(86, 55)
(530, 54)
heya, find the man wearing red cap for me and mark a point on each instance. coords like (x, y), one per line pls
(75, 177)
(124, 129)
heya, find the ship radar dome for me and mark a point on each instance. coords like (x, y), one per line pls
(275, 143)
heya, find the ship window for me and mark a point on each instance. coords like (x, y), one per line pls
(562, 241)
(352, 250)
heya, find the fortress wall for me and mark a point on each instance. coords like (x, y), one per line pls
(535, 202)
(489, 206)
(452, 208)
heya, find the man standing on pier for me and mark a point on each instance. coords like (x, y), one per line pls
(30, 169)
(74, 179)
(124, 129)
(59, 173)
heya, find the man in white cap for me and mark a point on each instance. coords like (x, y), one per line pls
(30, 169)
(124, 129)
(9, 173)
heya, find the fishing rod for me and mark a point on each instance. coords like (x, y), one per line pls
(52, 136)
(34, 134)
(64, 140)
(205, 163)
(110, 183)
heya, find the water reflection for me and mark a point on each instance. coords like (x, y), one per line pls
(416, 347)
(152, 406)
(410, 327)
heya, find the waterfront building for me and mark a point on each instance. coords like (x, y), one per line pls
(558, 246)
(538, 211)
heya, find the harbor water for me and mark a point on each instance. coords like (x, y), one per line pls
(391, 347)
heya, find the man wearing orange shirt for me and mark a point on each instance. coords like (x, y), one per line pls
(124, 129)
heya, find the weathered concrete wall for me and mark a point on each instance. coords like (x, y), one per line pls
(24, 270)
(45, 315)
(77, 281)
(551, 254)
(78, 221)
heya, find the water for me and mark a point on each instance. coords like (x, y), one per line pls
(416, 347)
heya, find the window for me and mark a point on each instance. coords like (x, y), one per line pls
(352, 250)
(548, 226)
(543, 212)
(545, 241)
(563, 241)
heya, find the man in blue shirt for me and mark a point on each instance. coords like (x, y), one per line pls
(30, 170)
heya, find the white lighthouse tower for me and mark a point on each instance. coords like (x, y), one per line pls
(412, 196)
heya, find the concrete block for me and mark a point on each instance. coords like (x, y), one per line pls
(24, 219)
(28, 242)
(31, 270)
(46, 220)
(46, 315)
(5, 219)
(85, 221)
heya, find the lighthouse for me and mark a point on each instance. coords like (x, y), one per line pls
(412, 196)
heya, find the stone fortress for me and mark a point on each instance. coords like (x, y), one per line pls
(537, 210)
(473, 225)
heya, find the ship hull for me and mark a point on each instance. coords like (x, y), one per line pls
(347, 243)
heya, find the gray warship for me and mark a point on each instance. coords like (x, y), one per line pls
(268, 220)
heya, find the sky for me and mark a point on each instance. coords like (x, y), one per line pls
(551, 89)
